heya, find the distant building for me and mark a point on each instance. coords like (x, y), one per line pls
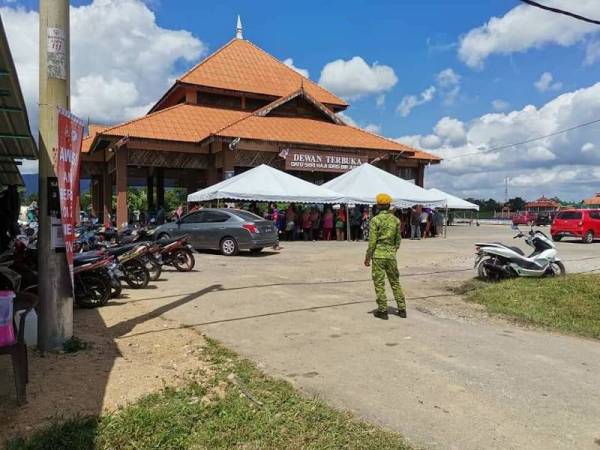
(542, 204)
(593, 202)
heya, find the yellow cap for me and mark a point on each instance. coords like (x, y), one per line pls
(383, 199)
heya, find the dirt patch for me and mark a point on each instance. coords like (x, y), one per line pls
(132, 352)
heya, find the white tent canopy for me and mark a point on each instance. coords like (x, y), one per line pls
(454, 202)
(361, 186)
(266, 184)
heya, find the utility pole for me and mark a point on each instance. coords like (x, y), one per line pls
(506, 179)
(56, 303)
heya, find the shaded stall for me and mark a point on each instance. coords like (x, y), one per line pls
(361, 186)
(267, 184)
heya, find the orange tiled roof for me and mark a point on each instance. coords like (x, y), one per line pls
(93, 129)
(192, 123)
(542, 202)
(309, 131)
(593, 201)
(242, 66)
(419, 154)
(182, 122)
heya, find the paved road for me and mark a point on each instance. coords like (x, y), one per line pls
(448, 377)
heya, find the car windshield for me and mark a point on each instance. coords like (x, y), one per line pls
(247, 215)
(570, 215)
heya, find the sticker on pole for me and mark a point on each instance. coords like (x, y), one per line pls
(57, 54)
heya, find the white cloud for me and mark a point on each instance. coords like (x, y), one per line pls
(290, 63)
(451, 131)
(500, 105)
(592, 52)
(448, 82)
(565, 164)
(447, 78)
(355, 78)
(121, 59)
(588, 147)
(545, 83)
(380, 101)
(409, 102)
(525, 27)
(373, 128)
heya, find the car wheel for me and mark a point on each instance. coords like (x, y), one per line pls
(229, 246)
(589, 237)
(163, 236)
(556, 238)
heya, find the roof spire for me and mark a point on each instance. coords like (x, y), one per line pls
(238, 29)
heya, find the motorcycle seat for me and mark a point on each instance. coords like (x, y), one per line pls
(518, 250)
(167, 241)
(121, 249)
(85, 258)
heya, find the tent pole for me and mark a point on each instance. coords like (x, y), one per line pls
(347, 223)
(446, 227)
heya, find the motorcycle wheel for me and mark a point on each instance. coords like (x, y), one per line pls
(556, 269)
(116, 288)
(94, 291)
(183, 260)
(484, 274)
(136, 274)
(154, 269)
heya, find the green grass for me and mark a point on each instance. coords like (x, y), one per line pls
(253, 412)
(570, 304)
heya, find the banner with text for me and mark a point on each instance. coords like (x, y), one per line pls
(67, 162)
(315, 161)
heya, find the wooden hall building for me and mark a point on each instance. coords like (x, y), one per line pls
(238, 108)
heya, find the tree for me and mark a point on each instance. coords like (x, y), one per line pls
(85, 200)
(137, 199)
(516, 204)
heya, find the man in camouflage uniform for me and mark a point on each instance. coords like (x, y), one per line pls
(384, 241)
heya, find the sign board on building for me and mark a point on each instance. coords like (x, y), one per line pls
(315, 161)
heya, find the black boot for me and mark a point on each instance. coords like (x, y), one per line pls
(381, 315)
(402, 313)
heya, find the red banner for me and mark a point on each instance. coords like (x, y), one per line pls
(68, 158)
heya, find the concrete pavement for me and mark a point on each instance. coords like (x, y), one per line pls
(448, 377)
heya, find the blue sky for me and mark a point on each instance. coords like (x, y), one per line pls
(494, 51)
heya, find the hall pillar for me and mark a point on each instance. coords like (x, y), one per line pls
(150, 190)
(95, 194)
(121, 166)
(160, 187)
(228, 161)
(421, 175)
(107, 190)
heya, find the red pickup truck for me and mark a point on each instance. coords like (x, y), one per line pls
(524, 218)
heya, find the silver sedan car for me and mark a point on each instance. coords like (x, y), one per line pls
(224, 229)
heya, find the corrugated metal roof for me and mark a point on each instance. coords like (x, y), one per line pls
(16, 140)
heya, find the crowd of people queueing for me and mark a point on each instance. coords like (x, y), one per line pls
(313, 223)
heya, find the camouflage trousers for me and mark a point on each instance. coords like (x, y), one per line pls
(380, 268)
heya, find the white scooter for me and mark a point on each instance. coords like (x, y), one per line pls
(496, 261)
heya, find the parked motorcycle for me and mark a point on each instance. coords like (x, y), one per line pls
(177, 253)
(92, 278)
(129, 259)
(495, 261)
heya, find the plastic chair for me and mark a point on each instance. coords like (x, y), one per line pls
(24, 301)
